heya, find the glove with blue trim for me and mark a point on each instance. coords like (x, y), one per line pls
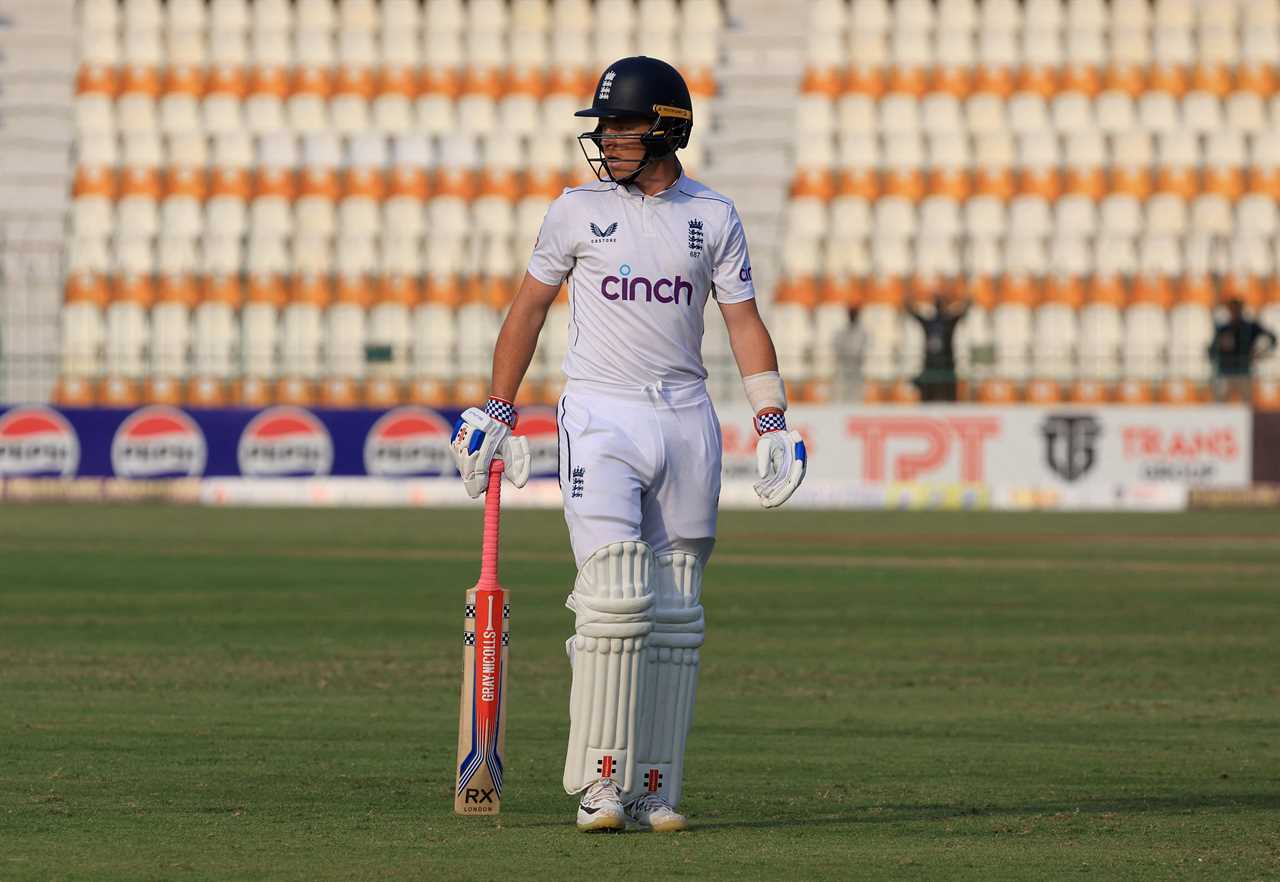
(780, 459)
(479, 435)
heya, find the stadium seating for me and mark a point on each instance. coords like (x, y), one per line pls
(325, 202)
(1095, 178)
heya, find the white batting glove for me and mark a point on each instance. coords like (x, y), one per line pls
(479, 435)
(780, 459)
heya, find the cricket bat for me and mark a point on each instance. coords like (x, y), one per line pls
(482, 718)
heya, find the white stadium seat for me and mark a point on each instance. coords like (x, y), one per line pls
(228, 15)
(942, 113)
(1100, 339)
(1054, 334)
(315, 15)
(301, 341)
(83, 330)
(1146, 338)
(126, 333)
(1190, 332)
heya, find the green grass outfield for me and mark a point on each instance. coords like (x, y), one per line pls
(190, 694)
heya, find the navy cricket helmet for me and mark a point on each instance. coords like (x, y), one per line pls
(640, 88)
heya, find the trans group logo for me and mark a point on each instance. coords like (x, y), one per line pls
(36, 442)
(407, 442)
(158, 442)
(538, 424)
(1070, 444)
(285, 442)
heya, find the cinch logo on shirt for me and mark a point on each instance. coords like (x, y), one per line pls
(624, 286)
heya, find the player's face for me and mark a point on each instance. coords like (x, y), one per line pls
(623, 154)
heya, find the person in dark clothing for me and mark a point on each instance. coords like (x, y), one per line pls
(1234, 347)
(937, 382)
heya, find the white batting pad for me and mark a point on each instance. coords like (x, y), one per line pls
(670, 676)
(613, 600)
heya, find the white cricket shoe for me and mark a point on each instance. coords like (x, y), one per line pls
(652, 812)
(601, 808)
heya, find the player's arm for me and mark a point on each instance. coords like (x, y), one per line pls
(519, 336)
(757, 363)
(482, 433)
(749, 338)
(780, 455)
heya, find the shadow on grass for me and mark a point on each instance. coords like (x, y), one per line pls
(892, 814)
(880, 814)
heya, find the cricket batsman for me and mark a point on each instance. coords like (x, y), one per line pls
(641, 251)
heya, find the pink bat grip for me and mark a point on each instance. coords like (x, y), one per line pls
(492, 509)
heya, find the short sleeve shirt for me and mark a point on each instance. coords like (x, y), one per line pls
(640, 270)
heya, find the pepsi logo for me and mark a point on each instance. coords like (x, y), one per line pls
(538, 424)
(285, 442)
(408, 441)
(158, 442)
(36, 442)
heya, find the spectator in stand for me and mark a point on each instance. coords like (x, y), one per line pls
(937, 382)
(851, 344)
(1234, 347)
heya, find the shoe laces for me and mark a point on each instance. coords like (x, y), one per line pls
(650, 802)
(605, 788)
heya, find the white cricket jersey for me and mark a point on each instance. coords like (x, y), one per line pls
(640, 269)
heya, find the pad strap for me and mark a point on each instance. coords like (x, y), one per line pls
(611, 617)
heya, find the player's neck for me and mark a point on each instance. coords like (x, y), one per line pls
(658, 177)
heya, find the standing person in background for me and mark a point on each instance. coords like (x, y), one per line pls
(643, 250)
(851, 345)
(937, 382)
(1234, 347)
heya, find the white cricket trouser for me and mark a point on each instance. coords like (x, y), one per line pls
(639, 463)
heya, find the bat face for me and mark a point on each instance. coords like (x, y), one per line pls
(482, 717)
(482, 722)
